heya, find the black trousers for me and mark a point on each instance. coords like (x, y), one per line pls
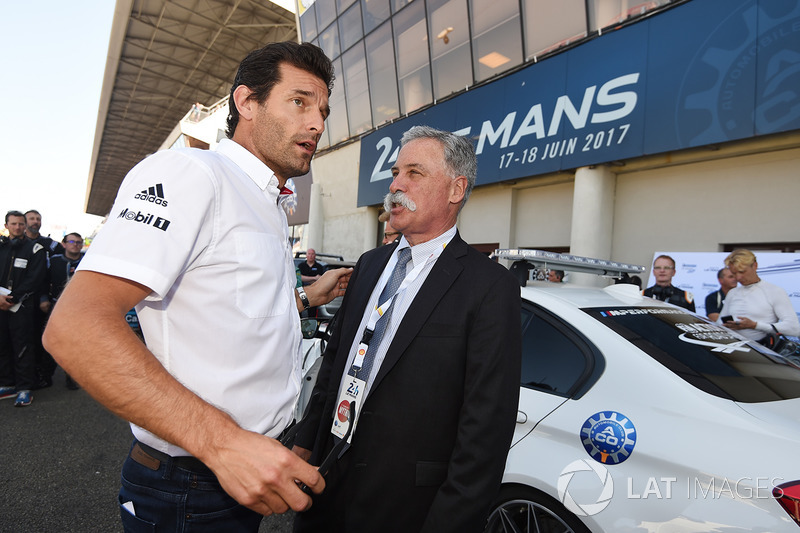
(18, 347)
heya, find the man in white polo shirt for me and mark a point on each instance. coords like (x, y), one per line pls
(198, 243)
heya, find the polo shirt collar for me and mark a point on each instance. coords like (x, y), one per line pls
(255, 169)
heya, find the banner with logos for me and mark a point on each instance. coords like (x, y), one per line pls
(704, 72)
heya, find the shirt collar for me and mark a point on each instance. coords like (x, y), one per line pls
(421, 251)
(255, 169)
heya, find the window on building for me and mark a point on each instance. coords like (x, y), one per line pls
(374, 13)
(337, 121)
(605, 13)
(382, 75)
(329, 41)
(497, 36)
(397, 5)
(755, 247)
(308, 23)
(342, 5)
(413, 65)
(551, 25)
(356, 89)
(451, 60)
(326, 13)
(350, 27)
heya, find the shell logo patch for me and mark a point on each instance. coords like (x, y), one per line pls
(608, 437)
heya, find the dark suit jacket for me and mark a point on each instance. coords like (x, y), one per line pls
(433, 434)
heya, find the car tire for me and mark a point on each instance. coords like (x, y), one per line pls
(521, 509)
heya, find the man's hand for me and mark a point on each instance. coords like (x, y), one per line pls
(262, 474)
(741, 323)
(302, 453)
(6, 303)
(45, 306)
(333, 283)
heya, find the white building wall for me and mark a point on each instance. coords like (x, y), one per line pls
(344, 225)
(543, 216)
(699, 207)
(488, 216)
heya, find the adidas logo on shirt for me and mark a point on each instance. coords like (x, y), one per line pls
(153, 195)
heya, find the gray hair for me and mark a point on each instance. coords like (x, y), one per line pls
(459, 153)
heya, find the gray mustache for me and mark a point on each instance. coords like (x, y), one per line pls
(400, 199)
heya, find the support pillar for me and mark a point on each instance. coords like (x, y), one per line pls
(316, 219)
(592, 217)
(370, 234)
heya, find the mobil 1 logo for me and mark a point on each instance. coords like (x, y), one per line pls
(150, 220)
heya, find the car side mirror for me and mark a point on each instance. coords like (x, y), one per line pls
(309, 327)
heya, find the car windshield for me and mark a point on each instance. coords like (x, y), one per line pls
(709, 356)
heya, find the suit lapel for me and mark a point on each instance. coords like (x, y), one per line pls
(441, 277)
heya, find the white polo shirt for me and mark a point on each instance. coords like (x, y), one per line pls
(203, 230)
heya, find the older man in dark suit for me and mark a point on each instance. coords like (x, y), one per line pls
(428, 347)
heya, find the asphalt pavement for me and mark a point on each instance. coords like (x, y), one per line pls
(60, 460)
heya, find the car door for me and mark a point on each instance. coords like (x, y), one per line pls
(557, 364)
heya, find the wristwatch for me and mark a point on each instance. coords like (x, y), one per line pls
(303, 298)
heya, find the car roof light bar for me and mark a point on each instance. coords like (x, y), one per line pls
(573, 263)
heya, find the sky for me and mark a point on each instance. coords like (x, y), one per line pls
(52, 60)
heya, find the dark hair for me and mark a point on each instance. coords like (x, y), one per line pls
(260, 72)
(64, 240)
(14, 214)
(31, 211)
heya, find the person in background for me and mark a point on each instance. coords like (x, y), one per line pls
(427, 345)
(23, 265)
(33, 225)
(45, 365)
(555, 276)
(62, 268)
(389, 233)
(714, 300)
(664, 290)
(756, 308)
(211, 275)
(310, 270)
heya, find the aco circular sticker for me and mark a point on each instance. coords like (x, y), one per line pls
(608, 437)
(343, 412)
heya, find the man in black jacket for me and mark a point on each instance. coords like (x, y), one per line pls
(62, 268)
(440, 388)
(664, 290)
(23, 264)
(45, 365)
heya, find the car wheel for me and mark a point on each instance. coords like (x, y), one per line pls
(521, 509)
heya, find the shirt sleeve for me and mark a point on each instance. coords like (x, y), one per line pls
(788, 323)
(161, 224)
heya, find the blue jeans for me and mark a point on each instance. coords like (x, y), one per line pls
(171, 498)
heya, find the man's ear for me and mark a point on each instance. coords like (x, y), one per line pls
(458, 189)
(244, 104)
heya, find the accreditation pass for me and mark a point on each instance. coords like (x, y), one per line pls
(353, 391)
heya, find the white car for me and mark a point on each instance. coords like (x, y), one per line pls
(639, 416)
